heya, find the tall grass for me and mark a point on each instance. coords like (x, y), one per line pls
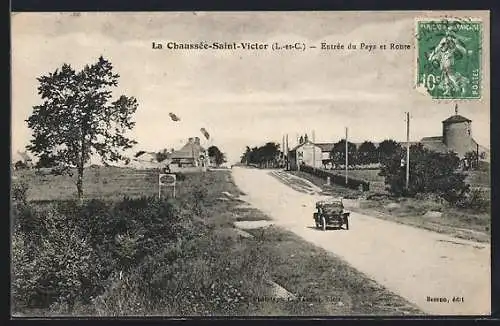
(134, 256)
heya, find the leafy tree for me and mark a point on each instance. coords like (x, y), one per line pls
(216, 155)
(430, 172)
(162, 155)
(246, 155)
(387, 149)
(264, 155)
(76, 119)
(367, 153)
(45, 161)
(338, 153)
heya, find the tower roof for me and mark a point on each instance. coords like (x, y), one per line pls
(456, 118)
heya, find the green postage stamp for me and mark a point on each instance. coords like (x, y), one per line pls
(449, 58)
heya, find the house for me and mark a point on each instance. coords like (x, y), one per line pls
(146, 157)
(326, 149)
(21, 160)
(306, 152)
(456, 137)
(192, 154)
(143, 160)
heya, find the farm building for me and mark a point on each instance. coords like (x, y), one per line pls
(143, 161)
(192, 154)
(306, 153)
(456, 137)
(21, 160)
(326, 149)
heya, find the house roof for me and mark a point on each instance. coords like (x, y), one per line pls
(146, 155)
(456, 118)
(325, 147)
(432, 139)
(436, 146)
(189, 150)
(300, 145)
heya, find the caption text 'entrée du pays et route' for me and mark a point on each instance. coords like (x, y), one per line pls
(279, 46)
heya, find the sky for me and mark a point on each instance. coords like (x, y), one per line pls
(244, 97)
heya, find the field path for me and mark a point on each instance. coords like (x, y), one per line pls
(411, 262)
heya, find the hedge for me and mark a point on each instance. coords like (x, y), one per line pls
(337, 179)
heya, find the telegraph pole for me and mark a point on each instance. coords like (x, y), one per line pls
(314, 150)
(286, 144)
(407, 150)
(283, 149)
(346, 155)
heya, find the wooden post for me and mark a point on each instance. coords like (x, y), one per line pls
(407, 150)
(477, 156)
(159, 185)
(346, 156)
(314, 150)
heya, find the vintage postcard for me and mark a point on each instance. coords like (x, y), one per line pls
(207, 164)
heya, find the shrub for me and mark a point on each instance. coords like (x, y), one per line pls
(62, 267)
(474, 199)
(430, 172)
(19, 192)
(65, 251)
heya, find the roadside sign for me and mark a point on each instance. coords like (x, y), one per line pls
(167, 180)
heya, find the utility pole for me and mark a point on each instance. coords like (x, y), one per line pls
(477, 156)
(346, 156)
(314, 149)
(407, 150)
(283, 149)
(286, 157)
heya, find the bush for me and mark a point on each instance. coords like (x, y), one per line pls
(62, 267)
(64, 252)
(19, 192)
(430, 172)
(474, 199)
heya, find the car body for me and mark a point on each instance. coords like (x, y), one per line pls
(331, 213)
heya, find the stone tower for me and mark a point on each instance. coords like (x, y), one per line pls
(457, 134)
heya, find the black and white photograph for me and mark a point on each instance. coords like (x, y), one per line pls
(205, 164)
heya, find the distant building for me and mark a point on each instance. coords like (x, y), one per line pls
(147, 157)
(143, 161)
(456, 137)
(326, 149)
(192, 154)
(306, 152)
(21, 160)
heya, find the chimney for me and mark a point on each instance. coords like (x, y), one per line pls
(190, 140)
(197, 140)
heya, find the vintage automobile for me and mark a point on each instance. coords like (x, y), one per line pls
(331, 214)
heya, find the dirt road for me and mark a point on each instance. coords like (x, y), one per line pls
(411, 262)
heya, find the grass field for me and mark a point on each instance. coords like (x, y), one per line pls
(367, 175)
(100, 182)
(211, 269)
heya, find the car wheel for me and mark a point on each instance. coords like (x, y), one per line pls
(323, 223)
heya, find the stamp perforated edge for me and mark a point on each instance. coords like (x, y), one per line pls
(423, 91)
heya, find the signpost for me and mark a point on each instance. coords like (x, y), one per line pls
(167, 180)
